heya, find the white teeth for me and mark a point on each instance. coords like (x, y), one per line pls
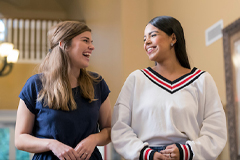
(86, 54)
(149, 49)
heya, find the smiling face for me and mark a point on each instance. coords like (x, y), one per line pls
(80, 50)
(157, 43)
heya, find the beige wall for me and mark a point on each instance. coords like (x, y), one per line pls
(103, 17)
(24, 11)
(11, 85)
(134, 16)
(118, 50)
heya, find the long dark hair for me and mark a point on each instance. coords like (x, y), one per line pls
(170, 25)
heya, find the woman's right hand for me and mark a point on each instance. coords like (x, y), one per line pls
(62, 151)
(159, 156)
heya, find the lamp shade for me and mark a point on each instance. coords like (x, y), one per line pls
(5, 49)
(13, 56)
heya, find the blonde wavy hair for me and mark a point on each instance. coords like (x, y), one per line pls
(57, 92)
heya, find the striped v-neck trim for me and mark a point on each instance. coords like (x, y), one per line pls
(172, 86)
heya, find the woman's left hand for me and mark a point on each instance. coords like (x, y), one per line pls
(171, 152)
(86, 147)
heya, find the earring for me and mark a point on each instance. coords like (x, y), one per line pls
(171, 44)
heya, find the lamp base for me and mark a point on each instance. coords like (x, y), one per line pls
(5, 68)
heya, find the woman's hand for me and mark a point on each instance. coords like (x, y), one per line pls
(159, 156)
(171, 152)
(62, 151)
(86, 147)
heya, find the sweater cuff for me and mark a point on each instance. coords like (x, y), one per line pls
(146, 153)
(185, 151)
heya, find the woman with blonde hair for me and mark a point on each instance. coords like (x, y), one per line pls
(64, 111)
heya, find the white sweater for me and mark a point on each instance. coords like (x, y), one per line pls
(153, 111)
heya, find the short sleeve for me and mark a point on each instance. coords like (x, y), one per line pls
(101, 88)
(30, 91)
(104, 90)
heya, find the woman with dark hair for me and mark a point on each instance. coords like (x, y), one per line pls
(168, 111)
(64, 111)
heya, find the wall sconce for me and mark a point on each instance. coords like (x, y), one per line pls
(8, 56)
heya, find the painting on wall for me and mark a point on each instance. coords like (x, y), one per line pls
(231, 46)
(236, 73)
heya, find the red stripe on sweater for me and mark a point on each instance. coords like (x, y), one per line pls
(186, 79)
(146, 153)
(168, 86)
(186, 152)
(157, 79)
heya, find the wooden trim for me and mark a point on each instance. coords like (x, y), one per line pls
(230, 106)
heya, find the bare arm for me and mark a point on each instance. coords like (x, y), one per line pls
(102, 138)
(24, 125)
(25, 141)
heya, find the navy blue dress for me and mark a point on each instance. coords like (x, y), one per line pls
(68, 127)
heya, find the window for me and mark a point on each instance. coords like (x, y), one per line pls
(2, 31)
(7, 147)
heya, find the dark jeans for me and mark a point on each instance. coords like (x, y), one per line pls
(158, 149)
